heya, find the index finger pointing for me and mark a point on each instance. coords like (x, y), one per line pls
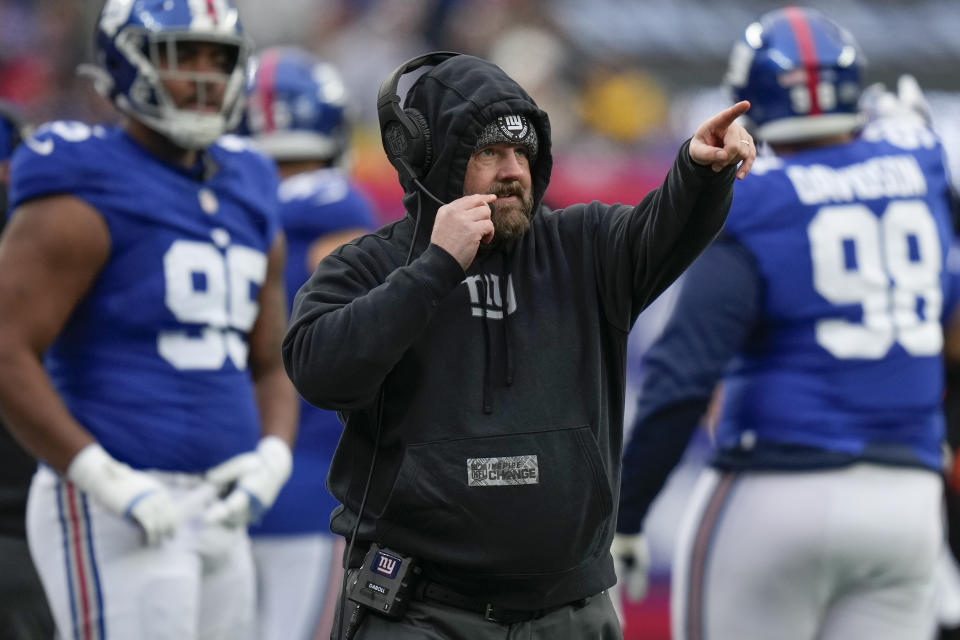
(723, 119)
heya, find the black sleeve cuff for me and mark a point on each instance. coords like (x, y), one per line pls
(702, 172)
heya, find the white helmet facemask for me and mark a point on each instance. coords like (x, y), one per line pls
(197, 124)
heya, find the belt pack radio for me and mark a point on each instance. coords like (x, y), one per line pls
(384, 582)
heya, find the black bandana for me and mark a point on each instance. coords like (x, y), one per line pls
(510, 130)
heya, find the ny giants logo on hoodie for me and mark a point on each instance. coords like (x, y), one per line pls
(486, 296)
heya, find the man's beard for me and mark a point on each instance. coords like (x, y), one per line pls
(510, 219)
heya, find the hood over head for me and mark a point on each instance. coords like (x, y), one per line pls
(458, 98)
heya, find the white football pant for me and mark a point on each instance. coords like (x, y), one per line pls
(840, 554)
(103, 582)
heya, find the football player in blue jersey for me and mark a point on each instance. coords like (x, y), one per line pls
(820, 309)
(297, 114)
(141, 278)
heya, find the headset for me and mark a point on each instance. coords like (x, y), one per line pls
(404, 132)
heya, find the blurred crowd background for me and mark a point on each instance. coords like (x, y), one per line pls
(624, 82)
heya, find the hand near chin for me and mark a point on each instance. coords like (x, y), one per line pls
(462, 225)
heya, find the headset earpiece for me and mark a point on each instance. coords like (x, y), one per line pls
(420, 154)
(404, 132)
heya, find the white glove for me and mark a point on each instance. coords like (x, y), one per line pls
(257, 477)
(907, 103)
(126, 492)
(631, 559)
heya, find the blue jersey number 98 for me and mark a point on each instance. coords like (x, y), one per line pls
(897, 261)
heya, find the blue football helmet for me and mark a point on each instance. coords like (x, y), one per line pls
(296, 107)
(801, 73)
(133, 36)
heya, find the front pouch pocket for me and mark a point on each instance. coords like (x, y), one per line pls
(535, 503)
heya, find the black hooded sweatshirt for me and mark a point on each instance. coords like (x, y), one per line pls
(498, 393)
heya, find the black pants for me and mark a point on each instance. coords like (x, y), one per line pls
(24, 613)
(596, 620)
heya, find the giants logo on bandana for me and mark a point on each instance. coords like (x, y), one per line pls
(514, 127)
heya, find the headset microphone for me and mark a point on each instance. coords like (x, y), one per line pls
(421, 186)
